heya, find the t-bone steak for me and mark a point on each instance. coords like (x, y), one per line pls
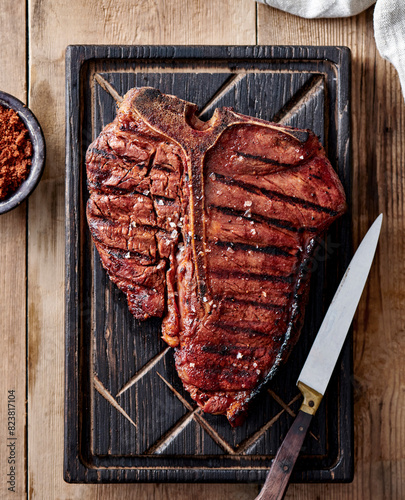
(211, 226)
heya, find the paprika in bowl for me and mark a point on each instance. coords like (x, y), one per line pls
(22, 152)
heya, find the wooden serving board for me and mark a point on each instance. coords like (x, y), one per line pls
(127, 417)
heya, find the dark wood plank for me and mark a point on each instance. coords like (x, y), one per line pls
(127, 416)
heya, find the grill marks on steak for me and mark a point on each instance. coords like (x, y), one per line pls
(211, 225)
(134, 211)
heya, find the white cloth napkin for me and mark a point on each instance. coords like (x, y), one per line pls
(321, 8)
(389, 33)
(389, 22)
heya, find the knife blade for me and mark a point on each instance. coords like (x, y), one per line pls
(321, 361)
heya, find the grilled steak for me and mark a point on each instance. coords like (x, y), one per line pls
(211, 226)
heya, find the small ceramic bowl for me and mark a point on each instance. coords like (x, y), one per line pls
(38, 153)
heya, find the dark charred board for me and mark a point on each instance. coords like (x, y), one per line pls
(127, 417)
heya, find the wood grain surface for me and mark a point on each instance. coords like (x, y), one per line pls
(378, 130)
(13, 279)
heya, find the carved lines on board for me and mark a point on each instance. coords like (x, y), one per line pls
(297, 101)
(283, 115)
(195, 414)
(106, 395)
(287, 409)
(250, 442)
(149, 365)
(108, 88)
(221, 92)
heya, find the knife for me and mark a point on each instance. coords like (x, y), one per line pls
(321, 361)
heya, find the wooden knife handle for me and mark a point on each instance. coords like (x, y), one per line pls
(283, 463)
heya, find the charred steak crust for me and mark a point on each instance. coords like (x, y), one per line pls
(211, 225)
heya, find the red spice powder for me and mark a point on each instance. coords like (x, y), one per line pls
(15, 152)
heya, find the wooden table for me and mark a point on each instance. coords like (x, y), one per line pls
(33, 42)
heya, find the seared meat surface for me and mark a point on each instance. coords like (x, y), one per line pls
(211, 226)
